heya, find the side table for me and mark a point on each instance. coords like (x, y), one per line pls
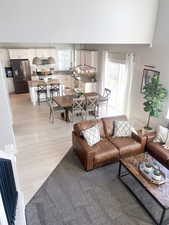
(149, 135)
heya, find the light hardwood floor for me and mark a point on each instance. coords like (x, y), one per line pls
(41, 145)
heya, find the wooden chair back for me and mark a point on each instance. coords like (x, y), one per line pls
(79, 103)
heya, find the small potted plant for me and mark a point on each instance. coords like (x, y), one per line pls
(156, 175)
(81, 93)
(147, 167)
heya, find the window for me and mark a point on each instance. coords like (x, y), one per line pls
(116, 81)
(64, 59)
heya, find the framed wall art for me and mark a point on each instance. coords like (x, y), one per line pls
(147, 75)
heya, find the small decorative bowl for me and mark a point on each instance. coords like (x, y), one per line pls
(156, 175)
(147, 167)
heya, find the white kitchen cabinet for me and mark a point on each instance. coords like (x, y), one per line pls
(22, 54)
(31, 53)
(41, 53)
(90, 87)
(78, 57)
(4, 57)
(83, 57)
(86, 86)
(18, 53)
(65, 80)
(94, 59)
(45, 52)
(10, 84)
(88, 56)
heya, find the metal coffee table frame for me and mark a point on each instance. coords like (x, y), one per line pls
(164, 209)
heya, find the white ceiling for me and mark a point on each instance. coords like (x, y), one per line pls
(77, 21)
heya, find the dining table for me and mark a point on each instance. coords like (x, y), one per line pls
(66, 102)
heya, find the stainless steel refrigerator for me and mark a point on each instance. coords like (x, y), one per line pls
(21, 74)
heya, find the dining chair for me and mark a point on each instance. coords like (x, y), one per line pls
(53, 107)
(104, 99)
(78, 107)
(92, 105)
(106, 95)
(54, 89)
(42, 91)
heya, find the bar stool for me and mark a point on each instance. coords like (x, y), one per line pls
(42, 90)
(54, 88)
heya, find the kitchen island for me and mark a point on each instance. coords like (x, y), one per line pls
(33, 87)
(66, 82)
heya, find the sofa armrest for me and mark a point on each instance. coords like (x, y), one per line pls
(141, 139)
(150, 136)
(84, 151)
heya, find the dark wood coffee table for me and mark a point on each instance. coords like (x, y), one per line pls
(160, 193)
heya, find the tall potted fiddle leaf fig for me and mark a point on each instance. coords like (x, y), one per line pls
(154, 95)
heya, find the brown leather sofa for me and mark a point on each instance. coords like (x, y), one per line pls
(109, 149)
(158, 152)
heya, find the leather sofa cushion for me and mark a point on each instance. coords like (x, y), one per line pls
(126, 145)
(167, 164)
(83, 125)
(158, 151)
(109, 124)
(105, 151)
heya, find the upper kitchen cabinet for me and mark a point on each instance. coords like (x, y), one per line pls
(18, 53)
(86, 57)
(45, 52)
(31, 53)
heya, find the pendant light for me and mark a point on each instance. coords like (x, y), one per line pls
(36, 61)
(51, 60)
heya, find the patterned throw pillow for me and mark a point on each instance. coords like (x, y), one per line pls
(122, 128)
(92, 135)
(162, 135)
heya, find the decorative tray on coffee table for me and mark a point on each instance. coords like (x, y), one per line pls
(150, 174)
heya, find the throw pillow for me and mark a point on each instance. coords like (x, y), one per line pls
(134, 130)
(122, 129)
(92, 135)
(162, 135)
(167, 143)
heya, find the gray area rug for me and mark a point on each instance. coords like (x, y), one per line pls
(71, 196)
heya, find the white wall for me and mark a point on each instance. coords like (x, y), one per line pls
(4, 59)
(157, 55)
(78, 21)
(7, 139)
(139, 51)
